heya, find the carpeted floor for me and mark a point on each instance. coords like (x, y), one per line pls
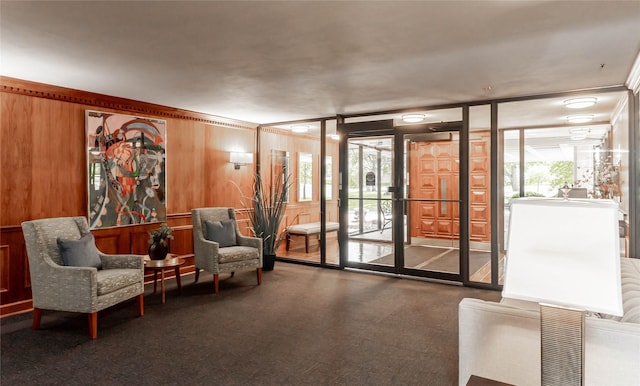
(302, 326)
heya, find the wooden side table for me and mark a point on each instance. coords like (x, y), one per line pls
(171, 261)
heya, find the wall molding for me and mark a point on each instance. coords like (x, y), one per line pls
(41, 90)
(633, 81)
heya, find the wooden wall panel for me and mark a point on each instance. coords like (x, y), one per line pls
(14, 272)
(15, 159)
(224, 185)
(43, 171)
(5, 267)
(185, 165)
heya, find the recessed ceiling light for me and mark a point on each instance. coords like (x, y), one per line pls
(579, 103)
(580, 118)
(413, 118)
(300, 128)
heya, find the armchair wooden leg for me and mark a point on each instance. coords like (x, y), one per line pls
(259, 274)
(93, 325)
(37, 317)
(197, 274)
(216, 283)
(141, 305)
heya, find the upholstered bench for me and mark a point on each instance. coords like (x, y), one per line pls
(308, 229)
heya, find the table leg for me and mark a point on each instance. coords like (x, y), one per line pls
(178, 280)
(162, 284)
(155, 281)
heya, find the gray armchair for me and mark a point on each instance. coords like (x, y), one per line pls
(82, 289)
(243, 253)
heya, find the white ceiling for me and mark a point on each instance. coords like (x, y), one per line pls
(270, 61)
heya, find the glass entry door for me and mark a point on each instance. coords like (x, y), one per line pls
(429, 194)
(404, 203)
(370, 170)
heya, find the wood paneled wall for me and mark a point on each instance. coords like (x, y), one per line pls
(43, 171)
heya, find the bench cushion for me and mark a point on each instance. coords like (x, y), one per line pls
(310, 228)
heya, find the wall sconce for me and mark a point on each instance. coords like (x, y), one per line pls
(240, 159)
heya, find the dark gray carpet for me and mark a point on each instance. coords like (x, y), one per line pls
(415, 255)
(302, 326)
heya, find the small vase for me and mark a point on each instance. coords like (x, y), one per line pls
(158, 251)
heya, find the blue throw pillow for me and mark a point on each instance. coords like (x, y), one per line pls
(80, 253)
(222, 232)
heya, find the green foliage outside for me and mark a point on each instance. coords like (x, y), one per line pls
(561, 173)
(541, 178)
(369, 164)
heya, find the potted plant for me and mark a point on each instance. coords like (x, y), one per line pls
(159, 242)
(268, 206)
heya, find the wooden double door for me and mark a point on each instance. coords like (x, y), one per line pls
(434, 172)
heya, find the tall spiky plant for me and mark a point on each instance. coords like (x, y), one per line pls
(269, 204)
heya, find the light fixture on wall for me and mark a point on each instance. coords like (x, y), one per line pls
(300, 128)
(564, 255)
(335, 137)
(580, 118)
(413, 118)
(240, 159)
(580, 103)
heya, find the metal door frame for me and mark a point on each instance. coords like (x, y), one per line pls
(386, 128)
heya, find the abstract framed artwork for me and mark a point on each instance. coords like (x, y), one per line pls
(126, 169)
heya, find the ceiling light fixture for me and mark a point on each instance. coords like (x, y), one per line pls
(413, 118)
(580, 103)
(580, 118)
(300, 128)
(579, 133)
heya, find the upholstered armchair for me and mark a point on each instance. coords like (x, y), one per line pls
(68, 272)
(219, 247)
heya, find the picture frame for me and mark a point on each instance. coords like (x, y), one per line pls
(126, 169)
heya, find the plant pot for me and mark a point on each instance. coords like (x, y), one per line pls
(268, 261)
(158, 251)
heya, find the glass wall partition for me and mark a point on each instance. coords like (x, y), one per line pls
(432, 199)
(305, 151)
(480, 217)
(547, 147)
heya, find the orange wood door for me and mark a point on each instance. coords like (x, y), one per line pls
(433, 174)
(479, 187)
